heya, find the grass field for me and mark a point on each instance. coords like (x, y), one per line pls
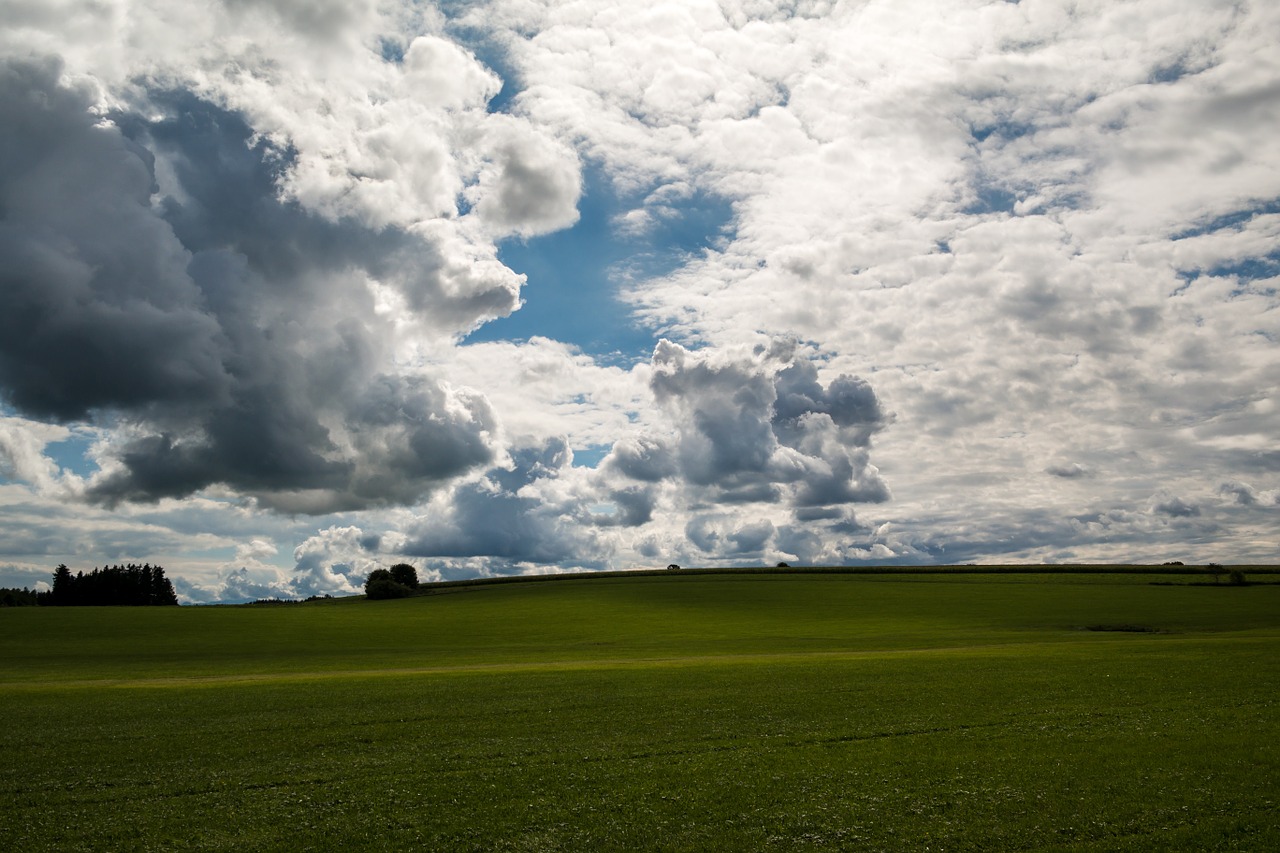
(679, 712)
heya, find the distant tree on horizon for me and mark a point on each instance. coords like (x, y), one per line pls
(14, 597)
(381, 584)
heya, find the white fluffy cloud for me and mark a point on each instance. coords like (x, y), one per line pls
(1031, 221)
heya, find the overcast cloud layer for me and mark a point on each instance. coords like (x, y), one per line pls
(986, 282)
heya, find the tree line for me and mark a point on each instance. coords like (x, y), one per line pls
(130, 585)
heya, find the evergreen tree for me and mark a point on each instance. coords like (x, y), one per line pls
(62, 583)
(161, 589)
(14, 597)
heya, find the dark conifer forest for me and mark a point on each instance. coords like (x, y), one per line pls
(129, 585)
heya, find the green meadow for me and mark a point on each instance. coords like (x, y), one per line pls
(682, 711)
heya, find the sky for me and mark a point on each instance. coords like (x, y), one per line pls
(296, 289)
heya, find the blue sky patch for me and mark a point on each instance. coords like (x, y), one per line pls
(590, 457)
(992, 199)
(71, 454)
(1003, 130)
(1229, 220)
(575, 275)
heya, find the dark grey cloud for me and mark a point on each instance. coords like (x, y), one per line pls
(751, 537)
(233, 336)
(849, 401)
(704, 533)
(1246, 495)
(805, 544)
(642, 458)
(229, 198)
(723, 534)
(844, 478)
(633, 507)
(96, 308)
(818, 513)
(761, 492)
(1242, 493)
(533, 463)
(764, 428)
(723, 413)
(1175, 507)
(502, 516)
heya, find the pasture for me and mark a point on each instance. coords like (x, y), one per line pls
(1118, 711)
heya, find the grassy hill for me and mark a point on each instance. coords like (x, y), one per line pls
(679, 711)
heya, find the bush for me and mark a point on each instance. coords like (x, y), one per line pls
(381, 585)
(673, 567)
(783, 566)
(1237, 577)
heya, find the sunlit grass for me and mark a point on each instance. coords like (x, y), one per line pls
(695, 713)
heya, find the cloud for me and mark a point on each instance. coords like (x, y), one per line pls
(22, 445)
(643, 458)
(1246, 495)
(237, 335)
(335, 560)
(1174, 506)
(757, 426)
(530, 184)
(520, 514)
(98, 308)
(719, 534)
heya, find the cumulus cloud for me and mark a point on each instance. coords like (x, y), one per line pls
(758, 426)
(98, 308)
(220, 246)
(336, 560)
(517, 514)
(22, 457)
(238, 336)
(726, 535)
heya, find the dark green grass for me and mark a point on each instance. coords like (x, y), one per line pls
(684, 713)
